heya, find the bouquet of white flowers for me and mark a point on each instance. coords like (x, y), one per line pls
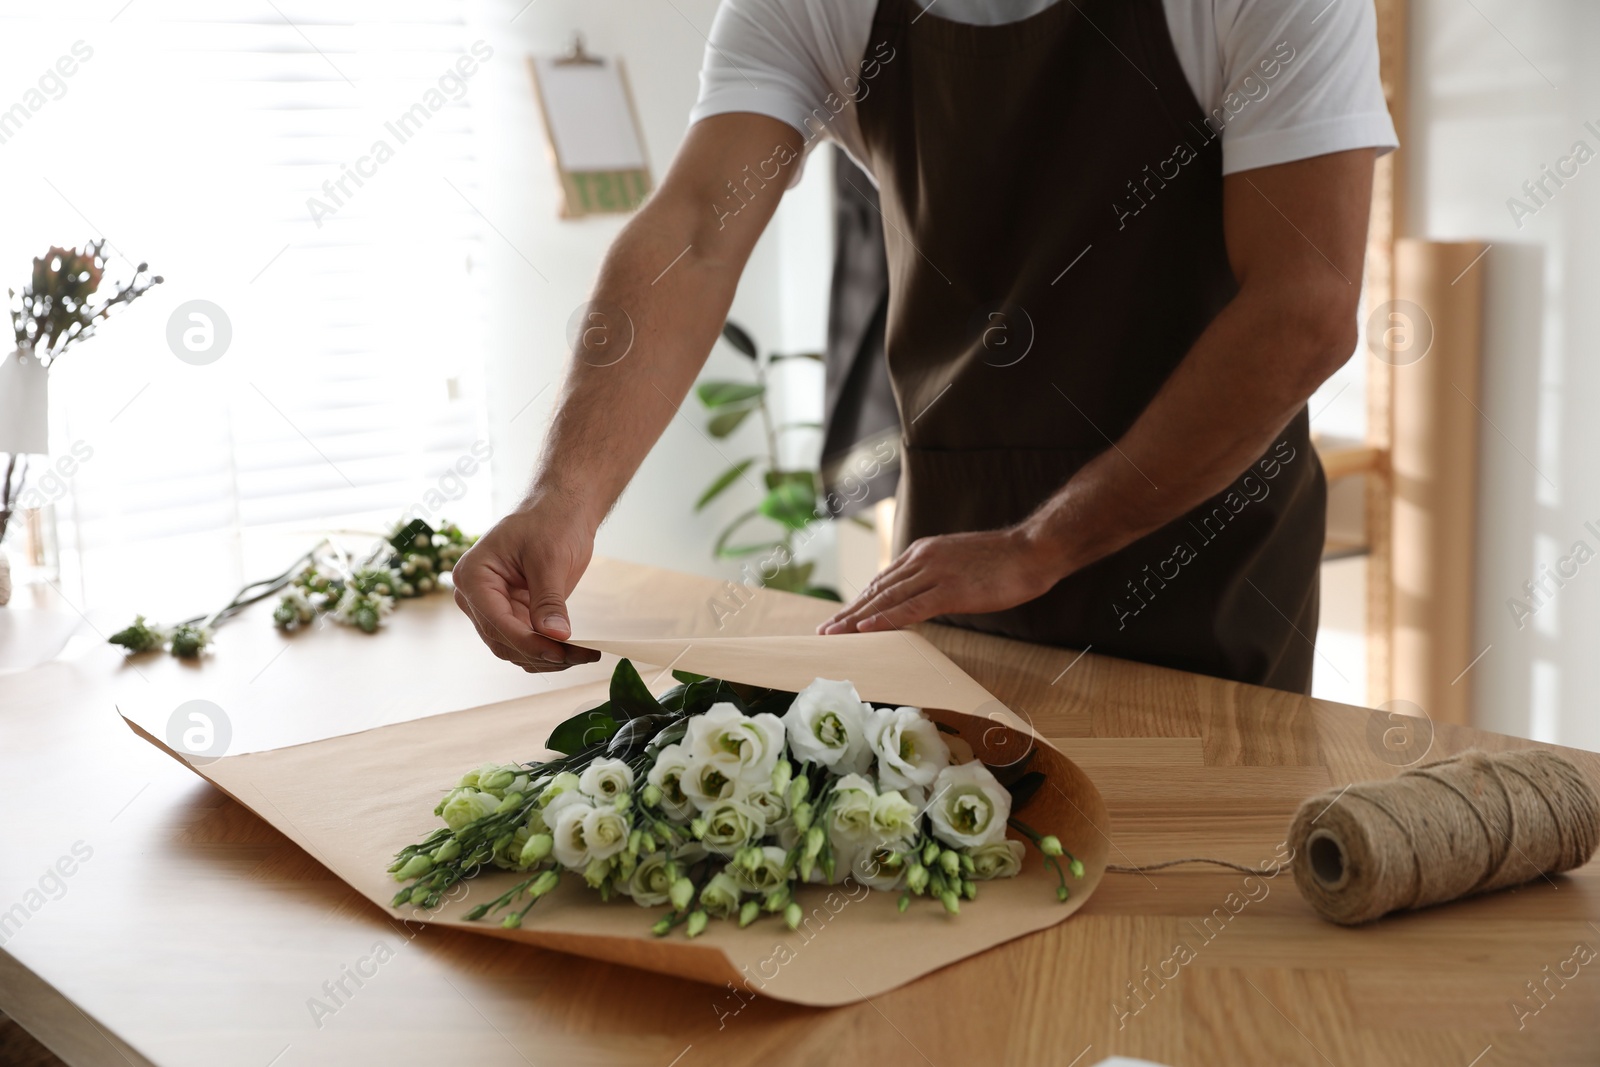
(718, 799)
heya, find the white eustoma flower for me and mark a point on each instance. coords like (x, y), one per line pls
(894, 818)
(571, 848)
(998, 859)
(667, 774)
(649, 883)
(773, 807)
(765, 873)
(827, 724)
(879, 866)
(969, 807)
(708, 783)
(850, 815)
(909, 747)
(605, 832)
(730, 825)
(747, 747)
(606, 779)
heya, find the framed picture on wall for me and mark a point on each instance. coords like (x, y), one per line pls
(592, 131)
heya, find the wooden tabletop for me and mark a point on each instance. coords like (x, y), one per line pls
(161, 923)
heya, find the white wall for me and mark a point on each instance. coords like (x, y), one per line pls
(1500, 88)
(782, 299)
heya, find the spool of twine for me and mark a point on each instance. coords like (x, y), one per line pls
(1442, 831)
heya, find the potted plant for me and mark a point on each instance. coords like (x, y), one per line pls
(790, 495)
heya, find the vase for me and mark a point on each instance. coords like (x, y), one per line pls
(23, 406)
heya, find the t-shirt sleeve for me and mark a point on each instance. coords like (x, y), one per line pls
(787, 59)
(1300, 79)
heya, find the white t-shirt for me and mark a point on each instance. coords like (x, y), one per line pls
(1282, 79)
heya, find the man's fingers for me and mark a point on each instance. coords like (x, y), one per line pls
(548, 612)
(497, 623)
(913, 584)
(844, 618)
(919, 608)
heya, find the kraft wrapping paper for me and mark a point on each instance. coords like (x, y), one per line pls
(354, 801)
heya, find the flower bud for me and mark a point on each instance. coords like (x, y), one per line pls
(698, 827)
(537, 848)
(447, 851)
(647, 843)
(801, 816)
(967, 866)
(951, 902)
(415, 867)
(815, 838)
(792, 916)
(1050, 846)
(905, 902)
(798, 789)
(681, 893)
(511, 802)
(512, 921)
(596, 873)
(969, 889)
(635, 842)
(1061, 892)
(1077, 867)
(697, 923)
(544, 883)
(950, 863)
(420, 895)
(782, 773)
(749, 911)
(651, 795)
(916, 878)
(930, 853)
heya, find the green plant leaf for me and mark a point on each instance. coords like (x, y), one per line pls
(688, 677)
(775, 478)
(728, 530)
(791, 579)
(823, 592)
(1023, 790)
(630, 697)
(584, 730)
(723, 480)
(791, 503)
(734, 334)
(718, 392)
(726, 421)
(802, 426)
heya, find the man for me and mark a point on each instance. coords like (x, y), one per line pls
(1161, 207)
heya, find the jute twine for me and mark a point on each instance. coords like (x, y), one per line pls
(1446, 830)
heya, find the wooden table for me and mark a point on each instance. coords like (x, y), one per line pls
(195, 934)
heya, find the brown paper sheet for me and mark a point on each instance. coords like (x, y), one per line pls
(354, 801)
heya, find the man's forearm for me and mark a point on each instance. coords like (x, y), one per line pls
(662, 295)
(1249, 373)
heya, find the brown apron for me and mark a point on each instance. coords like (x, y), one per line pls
(1053, 204)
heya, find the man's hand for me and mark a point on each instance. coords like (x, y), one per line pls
(514, 583)
(956, 574)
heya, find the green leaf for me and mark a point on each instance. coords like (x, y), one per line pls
(688, 677)
(721, 549)
(716, 393)
(775, 478)
(793, 504)
(823, 592)
(725, 422)
(723, 480)
(630, 697)
(1024, 789)
(584, 730)
(802, 426)
(734, 334)
(791, 578)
